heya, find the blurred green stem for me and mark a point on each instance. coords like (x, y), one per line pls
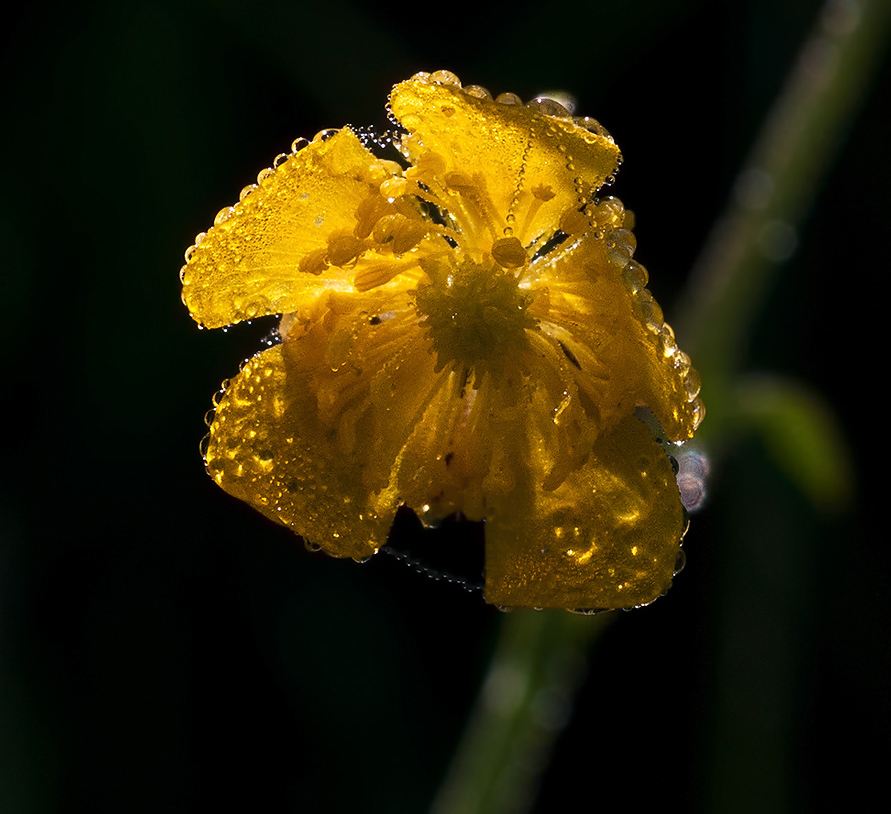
(524, 702)
(758, 230)
(539, 657)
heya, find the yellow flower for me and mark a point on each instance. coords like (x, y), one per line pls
(465, 330)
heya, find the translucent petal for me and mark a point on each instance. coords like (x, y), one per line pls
(509, 164)
(268, 449)
(622, 360)
(608, 537)
(267, 253)
(465, 448)
(371, 374)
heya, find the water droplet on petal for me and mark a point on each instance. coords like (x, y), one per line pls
(635, 276)
(508, 99)
(549, 107)
(692, 384)
(478, 92)
(679, 562)
(620, 246)
(444, 78)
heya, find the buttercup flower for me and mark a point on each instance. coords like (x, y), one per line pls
(465, 330)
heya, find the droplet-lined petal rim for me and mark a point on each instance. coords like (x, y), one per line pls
(607, 538)
(507, 164)
(266, 254)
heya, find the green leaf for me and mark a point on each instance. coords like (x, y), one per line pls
(801, 433)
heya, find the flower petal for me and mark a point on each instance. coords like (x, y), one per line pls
(370, 373)
(268, 449)
(267, 253)
(506, 163)
(608, 537)
(614, 331)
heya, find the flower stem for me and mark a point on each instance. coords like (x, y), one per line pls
(525, 701)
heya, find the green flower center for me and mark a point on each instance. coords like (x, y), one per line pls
(476, 316)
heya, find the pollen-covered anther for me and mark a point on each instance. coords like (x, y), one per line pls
(344, 248)
(543, 192)
(314, 262)
(400, 232)
(369, 212)
(574, 222)
(509, 253)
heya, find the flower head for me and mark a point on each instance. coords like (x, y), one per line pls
(464, 330)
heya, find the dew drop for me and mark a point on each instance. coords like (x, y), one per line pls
(635, 276)
(698, 412)
(508, 99)
(298, 144)
(444, 78)
(223, 215)
(280, 159)
(679, 563)
(620, 246)
(692, 384)
(478, 92)
(549, 107)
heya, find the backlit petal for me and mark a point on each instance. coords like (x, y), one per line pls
(508, 165)
(267, 253)
(268, 448)
(624, 351)
(608, 537)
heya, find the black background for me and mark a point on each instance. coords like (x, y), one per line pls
(164, 648)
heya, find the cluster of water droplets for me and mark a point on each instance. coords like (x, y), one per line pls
(227, 212)
(620, 247)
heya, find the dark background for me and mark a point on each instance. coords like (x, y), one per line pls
(164, 648)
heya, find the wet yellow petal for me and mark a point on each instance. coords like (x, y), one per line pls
(370, 371)
(599, 313)
(509, 165)
(608, 537)
(268, 449)
(268, 252)
(464, 451)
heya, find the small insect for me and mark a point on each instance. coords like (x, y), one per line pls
(462, 330)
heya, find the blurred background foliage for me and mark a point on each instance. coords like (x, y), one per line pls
(164, 648)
